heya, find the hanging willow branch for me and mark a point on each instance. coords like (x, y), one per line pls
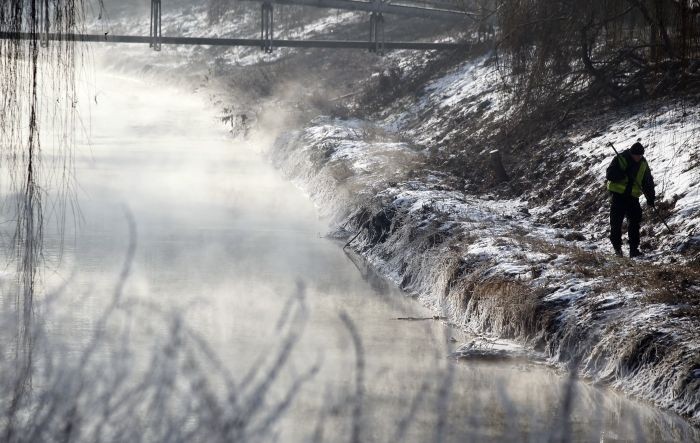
(38, 90)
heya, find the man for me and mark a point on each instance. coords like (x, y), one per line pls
(628, 177)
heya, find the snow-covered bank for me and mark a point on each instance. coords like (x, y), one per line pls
(510, 266)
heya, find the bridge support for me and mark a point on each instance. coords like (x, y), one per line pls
(156, 28)
(44, 20)
(376, 33)
(266, 27)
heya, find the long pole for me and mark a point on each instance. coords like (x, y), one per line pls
(656, 211)
(613, 146)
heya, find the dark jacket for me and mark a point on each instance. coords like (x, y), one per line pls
(615, 173)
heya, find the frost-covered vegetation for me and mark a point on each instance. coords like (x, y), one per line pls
(397, 151)
(409, 179)
(175, 389)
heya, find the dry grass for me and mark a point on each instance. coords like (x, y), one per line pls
(463, 281)
(509, 307)
(674, 285)
(516, 304)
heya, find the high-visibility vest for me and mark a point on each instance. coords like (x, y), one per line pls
(620, 186)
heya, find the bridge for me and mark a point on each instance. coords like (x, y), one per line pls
(440, 10)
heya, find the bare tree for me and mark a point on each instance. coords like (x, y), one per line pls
(627, 50)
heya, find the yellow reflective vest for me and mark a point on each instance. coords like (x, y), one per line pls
(619, 187)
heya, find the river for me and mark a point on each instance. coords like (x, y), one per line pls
(230, 260)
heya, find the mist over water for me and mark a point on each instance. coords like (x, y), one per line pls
(227, 246)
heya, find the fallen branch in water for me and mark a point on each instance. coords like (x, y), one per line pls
(358, 234)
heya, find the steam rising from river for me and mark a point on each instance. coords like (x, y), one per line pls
(237, 320)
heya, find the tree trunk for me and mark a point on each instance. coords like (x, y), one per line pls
(499, 172)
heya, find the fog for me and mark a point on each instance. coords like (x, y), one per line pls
(191, 287)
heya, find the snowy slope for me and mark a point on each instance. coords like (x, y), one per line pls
(496, 265)
(672, 138)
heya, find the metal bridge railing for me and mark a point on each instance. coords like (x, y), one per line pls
(156, 25)
(376, 43)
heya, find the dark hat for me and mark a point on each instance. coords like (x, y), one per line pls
(637, 149)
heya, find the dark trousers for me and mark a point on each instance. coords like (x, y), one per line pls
(622, 206)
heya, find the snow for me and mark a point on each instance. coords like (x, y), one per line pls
(671, 136)
(485, 348)
(439, 231)
(469, 90)
(473, 79)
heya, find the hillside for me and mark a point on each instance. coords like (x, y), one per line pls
(527, 259)
(397, 151)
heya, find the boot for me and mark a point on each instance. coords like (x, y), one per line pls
(618, 251)
(635, 253)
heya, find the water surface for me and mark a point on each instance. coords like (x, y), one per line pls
(227, 245)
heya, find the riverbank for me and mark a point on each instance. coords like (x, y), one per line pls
(526, 260)
(400, 157)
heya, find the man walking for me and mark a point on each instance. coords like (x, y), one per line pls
(628, 177)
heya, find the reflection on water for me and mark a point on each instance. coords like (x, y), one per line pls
(239, 319)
